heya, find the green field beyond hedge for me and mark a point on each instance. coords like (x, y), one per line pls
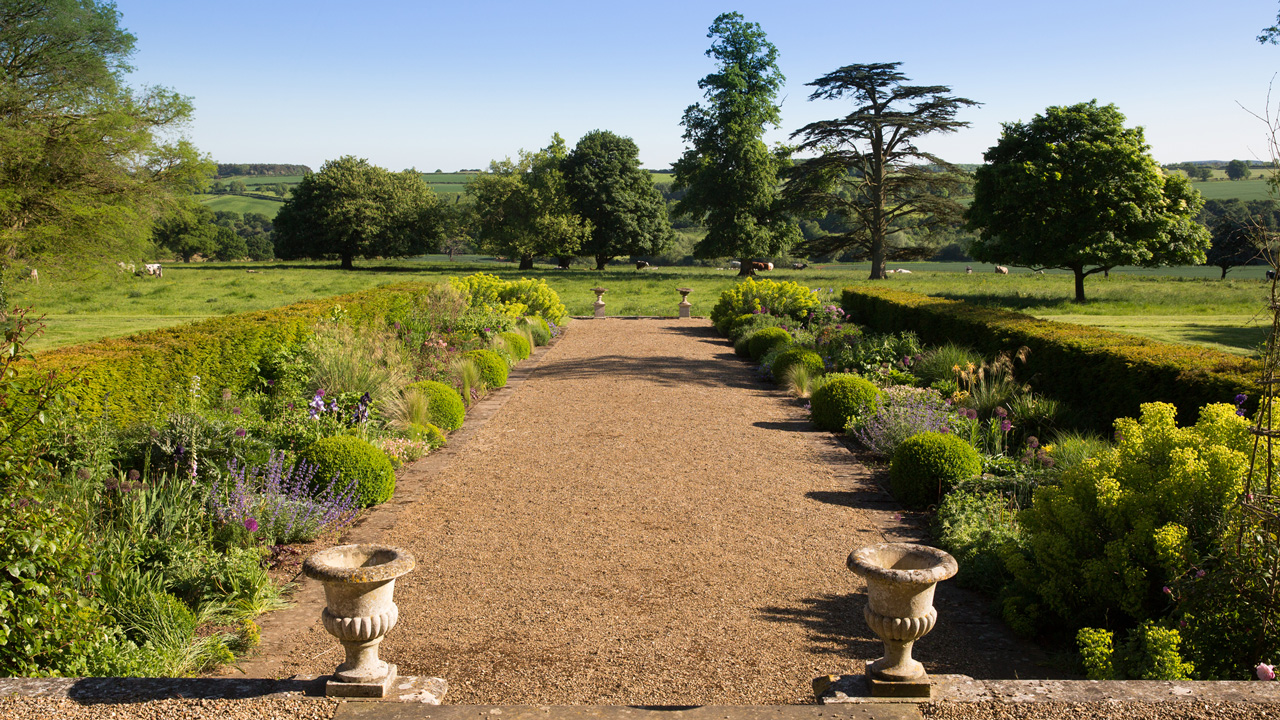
(1187, 305)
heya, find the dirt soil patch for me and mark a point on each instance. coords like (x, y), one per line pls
(645, 521)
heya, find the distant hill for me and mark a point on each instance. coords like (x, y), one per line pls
(226, 170)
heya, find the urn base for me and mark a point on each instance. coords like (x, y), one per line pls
(373, 689)
(918, 688)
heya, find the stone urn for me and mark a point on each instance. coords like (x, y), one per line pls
(685, 305)
(599, 291)
(358, 583)
(900, 581)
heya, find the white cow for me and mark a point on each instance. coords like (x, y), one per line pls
(154, 269)
(1002, 270)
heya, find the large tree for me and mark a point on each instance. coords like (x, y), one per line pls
(1074, 189)
(609, 188)
(870, 170)
(1240, 230)
(87, 161)
(523, 210)
(730, 175)
(1238, 170)
(354, 209)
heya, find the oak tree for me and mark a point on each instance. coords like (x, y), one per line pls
(871, 172)
(1074, 189)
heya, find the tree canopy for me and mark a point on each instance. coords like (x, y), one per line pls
(608, 188)
(870, 170)
(523, 210)
(1239, 230)
(730, 175)
(1074, 189)
(354, 209)
(88, 161)
(1238, 170)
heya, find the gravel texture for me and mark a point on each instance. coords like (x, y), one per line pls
(23, 708)
(643, 521)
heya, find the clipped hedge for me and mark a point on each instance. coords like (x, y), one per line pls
(492, 367)
(842, 396)
(444, 405)
(140, 377)
(349, 458)
(1114, 371)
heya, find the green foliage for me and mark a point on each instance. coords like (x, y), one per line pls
(841, 396)
(781, 298)
(926, 466)
(516, 344)
(444, 407)
(347, 359)
(493, 369)
(870, 171)
(766, 339)
(945, 362)
(609, 190)
(1238, 170)
(1072, 447)
(978, 528)
(353, 209)
(728, 172)
(1119, 526)
(750, 322)
(1076, 190)
(1117, 372)
(538, 327)
(811, 360)
(352, 458)
(428, 433)
(514, 298)
(1149, 652)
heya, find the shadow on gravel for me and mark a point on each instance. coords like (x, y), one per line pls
(108, 690)
(834, 624)
(664, 371)
(788, 425)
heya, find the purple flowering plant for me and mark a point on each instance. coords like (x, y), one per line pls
(276, 502)
(900, 412)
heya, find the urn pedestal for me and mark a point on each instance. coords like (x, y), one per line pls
(599, 305)
(900, 582)
(358, 584)
(685, 305)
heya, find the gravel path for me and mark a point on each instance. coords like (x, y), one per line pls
(642, 522)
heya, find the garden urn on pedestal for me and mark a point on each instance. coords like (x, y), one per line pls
(900, 581)
(599, 291)
(358, 583)
(684, 301)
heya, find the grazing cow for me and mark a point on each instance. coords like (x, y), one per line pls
(901, 271)
(759, 266)
(35, 276)
(968, 269)
(1271, 274)
(734, 264)
(768, 266)
(799, 266)
(154, 269)
(1002, 270)
(641, 264)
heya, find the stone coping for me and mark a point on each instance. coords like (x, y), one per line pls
(836, 690)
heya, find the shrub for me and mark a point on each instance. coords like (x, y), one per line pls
(747, 324)
(1124, 524)
(350, 458)
(281, 503)
(1117, 372)
(978, 528)
(493, 369)
(766, 339)
(783, 298)
(796, 356)
(466, 375)
(427, 433)
(742, 346)
(841, 397)
(517, 345)
(900, 412)
(441, 405)
(1070, 448)
(927, 465)
(536, 325)
(514, 298)
(1150, 652)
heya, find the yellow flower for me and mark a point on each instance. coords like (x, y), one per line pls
(955, 368)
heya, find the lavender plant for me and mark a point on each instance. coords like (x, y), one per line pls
(900, 412)
(274, 503)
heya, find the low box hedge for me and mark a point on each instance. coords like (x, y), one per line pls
(1102, 375)
(138, 377)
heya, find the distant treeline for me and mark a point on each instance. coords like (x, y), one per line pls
(233, 169)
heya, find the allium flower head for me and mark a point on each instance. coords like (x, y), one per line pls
(1001, 412)
(1265, 671)
(251, 525)
(240, 432)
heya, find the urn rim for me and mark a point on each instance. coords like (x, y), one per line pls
(925, 565)
(358, 564)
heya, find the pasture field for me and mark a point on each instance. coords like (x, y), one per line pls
(241, 204)
(1172, 304)
(1254, 188)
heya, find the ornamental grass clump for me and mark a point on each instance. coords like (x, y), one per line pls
(278, 500)
(428, 401)
(925, 466)
(537, 327)
(344, 359)
(793, 356)
(900, 412)
(841, 397)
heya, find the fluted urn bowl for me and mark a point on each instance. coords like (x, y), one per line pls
(900, 582)
(358, 584)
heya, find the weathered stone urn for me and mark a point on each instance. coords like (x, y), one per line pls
(358, 583)
(685, 305)
(599, 291)
(900, 582)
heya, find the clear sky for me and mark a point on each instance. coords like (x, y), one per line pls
(451, 85)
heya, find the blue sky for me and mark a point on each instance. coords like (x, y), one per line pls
(454, 84)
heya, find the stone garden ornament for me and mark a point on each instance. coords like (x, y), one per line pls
(900, 582)
(685, 305)
(599, 291)
(358, 583)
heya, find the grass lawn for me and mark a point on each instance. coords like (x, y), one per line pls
(241, 204)
(1171, 304)
(1254, 188)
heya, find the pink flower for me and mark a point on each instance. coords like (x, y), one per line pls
(1265, 671)
(251, 525)
(1168, 590)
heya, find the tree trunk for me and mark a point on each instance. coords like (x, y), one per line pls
(1224, 273)
(451, 253)
(602, 261)
(745, 270)
(526, 262)
(877, 266)
(564, 261)
(1079, 271)
(346, 262)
